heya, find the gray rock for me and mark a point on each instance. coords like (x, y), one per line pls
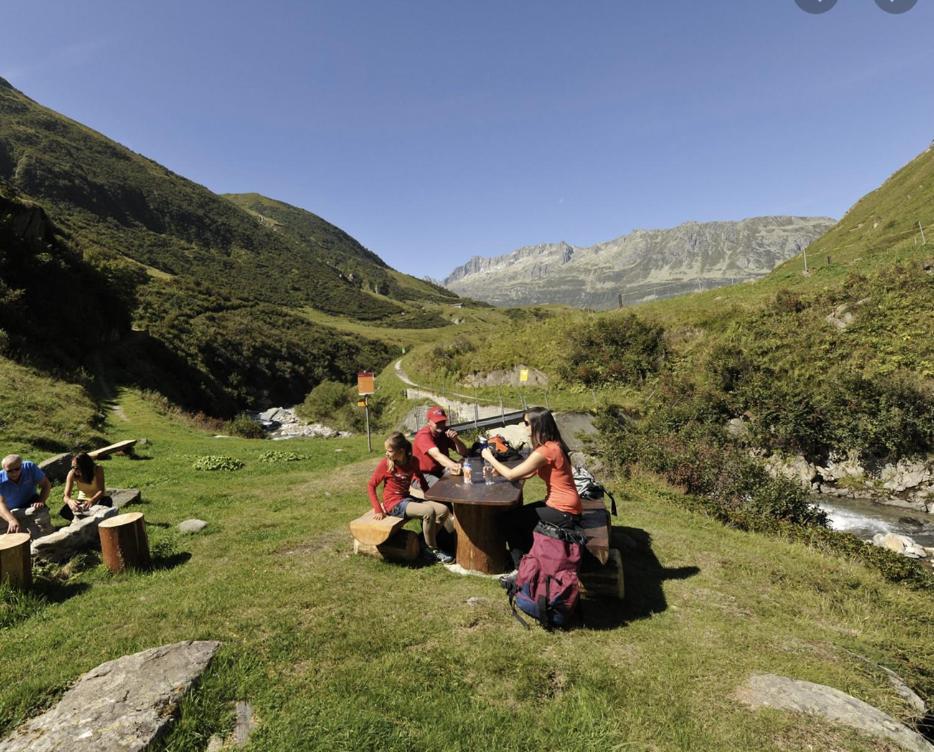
(737, 428)
(907, 474)
(56, 468)
(120, 706)
(795, 468)
(81, 534)
(192, 526)
(782, 693)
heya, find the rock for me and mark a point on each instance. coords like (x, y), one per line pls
(842, 466)
(841, 317)
(56, 468)
(782, 693)
(120, 706)
(192, 526)
(900, 544)
(475, 601)
(507, 378)
(795, 468)
(81, 534)
(737, 428)
(907, 474)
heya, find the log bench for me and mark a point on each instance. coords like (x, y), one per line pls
(121, 447)
(385, 538)
(602, 568)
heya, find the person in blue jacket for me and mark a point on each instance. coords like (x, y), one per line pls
(24, 489)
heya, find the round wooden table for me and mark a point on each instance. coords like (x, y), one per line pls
(478, 518)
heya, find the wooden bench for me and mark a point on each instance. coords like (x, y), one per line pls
(385, 538)
(121, 447)
(601, 575)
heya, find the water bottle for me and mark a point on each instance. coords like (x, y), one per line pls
(487, 473)
(467, 472)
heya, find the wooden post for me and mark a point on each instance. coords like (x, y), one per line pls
(123, 542)
(15, 560)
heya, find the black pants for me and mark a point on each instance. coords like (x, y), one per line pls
(65, 511)
(522, 521)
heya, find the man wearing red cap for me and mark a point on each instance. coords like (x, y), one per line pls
(433, 443)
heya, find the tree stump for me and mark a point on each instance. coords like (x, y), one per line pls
(15, 560)
(123, 542)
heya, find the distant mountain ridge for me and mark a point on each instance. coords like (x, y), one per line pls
(644, 264)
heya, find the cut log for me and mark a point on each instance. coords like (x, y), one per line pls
(123, 542)
(371, 531)
(606, 581)
(403, 546)
(15, 560)
(121, 447)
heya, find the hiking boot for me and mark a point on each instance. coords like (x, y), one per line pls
(441, 556)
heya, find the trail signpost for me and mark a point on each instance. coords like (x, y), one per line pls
(366, 385)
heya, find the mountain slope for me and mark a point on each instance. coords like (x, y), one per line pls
(356, 264)
(644, 264)
(218, 295)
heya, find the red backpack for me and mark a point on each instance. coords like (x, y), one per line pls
(546, 585)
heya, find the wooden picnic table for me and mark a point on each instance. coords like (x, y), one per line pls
(478, 511)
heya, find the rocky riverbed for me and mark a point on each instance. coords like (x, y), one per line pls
(283, 423)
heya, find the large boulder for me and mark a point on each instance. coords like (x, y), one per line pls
(121, 706)
(907, 474)
(782, 693)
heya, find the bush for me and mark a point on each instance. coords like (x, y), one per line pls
(621, 350)
(243, 425)
(276, 456)
(214, 462)
(335, 405)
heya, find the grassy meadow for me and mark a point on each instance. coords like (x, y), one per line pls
(338, 652)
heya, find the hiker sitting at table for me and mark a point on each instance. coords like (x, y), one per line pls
(550, 460)
(84, 487)
(24, 490)
(398, 469)
(433, 444)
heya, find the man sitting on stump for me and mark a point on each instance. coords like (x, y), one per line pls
(433, 444)
(24, 490)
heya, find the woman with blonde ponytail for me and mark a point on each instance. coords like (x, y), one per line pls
(398, 470)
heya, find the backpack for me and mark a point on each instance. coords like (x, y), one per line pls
(588, 488)
(546, 585)
(502, 449)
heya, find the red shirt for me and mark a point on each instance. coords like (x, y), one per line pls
(397, 483)
(424, 441)
(559, 479)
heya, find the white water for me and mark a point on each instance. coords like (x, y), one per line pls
(866, 518)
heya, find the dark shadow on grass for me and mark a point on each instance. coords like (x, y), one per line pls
(643, 575)
(926, 726)
(163, 525)
(56, 591)
(161, 562)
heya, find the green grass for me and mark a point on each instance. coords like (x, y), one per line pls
(341, 652)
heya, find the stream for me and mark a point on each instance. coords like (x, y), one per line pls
(866, 518)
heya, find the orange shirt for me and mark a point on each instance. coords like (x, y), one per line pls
(559, 479)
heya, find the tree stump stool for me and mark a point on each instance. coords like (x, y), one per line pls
(123, 542)
(405, 545)
(15, 559)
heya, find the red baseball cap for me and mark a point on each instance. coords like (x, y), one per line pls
(436, 414)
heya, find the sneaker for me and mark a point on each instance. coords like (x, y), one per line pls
(441, 556)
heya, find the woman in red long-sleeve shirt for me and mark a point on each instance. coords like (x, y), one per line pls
(397, 470)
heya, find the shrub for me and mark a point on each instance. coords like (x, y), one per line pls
(335, 405)
(277, 456)
(243, 425)
(621, 350)
(214, 462)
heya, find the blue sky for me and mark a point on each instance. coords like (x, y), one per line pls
(434, 131)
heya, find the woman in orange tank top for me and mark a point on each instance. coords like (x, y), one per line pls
(550, 460)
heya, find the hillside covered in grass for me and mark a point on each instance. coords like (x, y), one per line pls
(202, 297)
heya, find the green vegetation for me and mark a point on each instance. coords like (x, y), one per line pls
(340, 652)
(217, 462)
